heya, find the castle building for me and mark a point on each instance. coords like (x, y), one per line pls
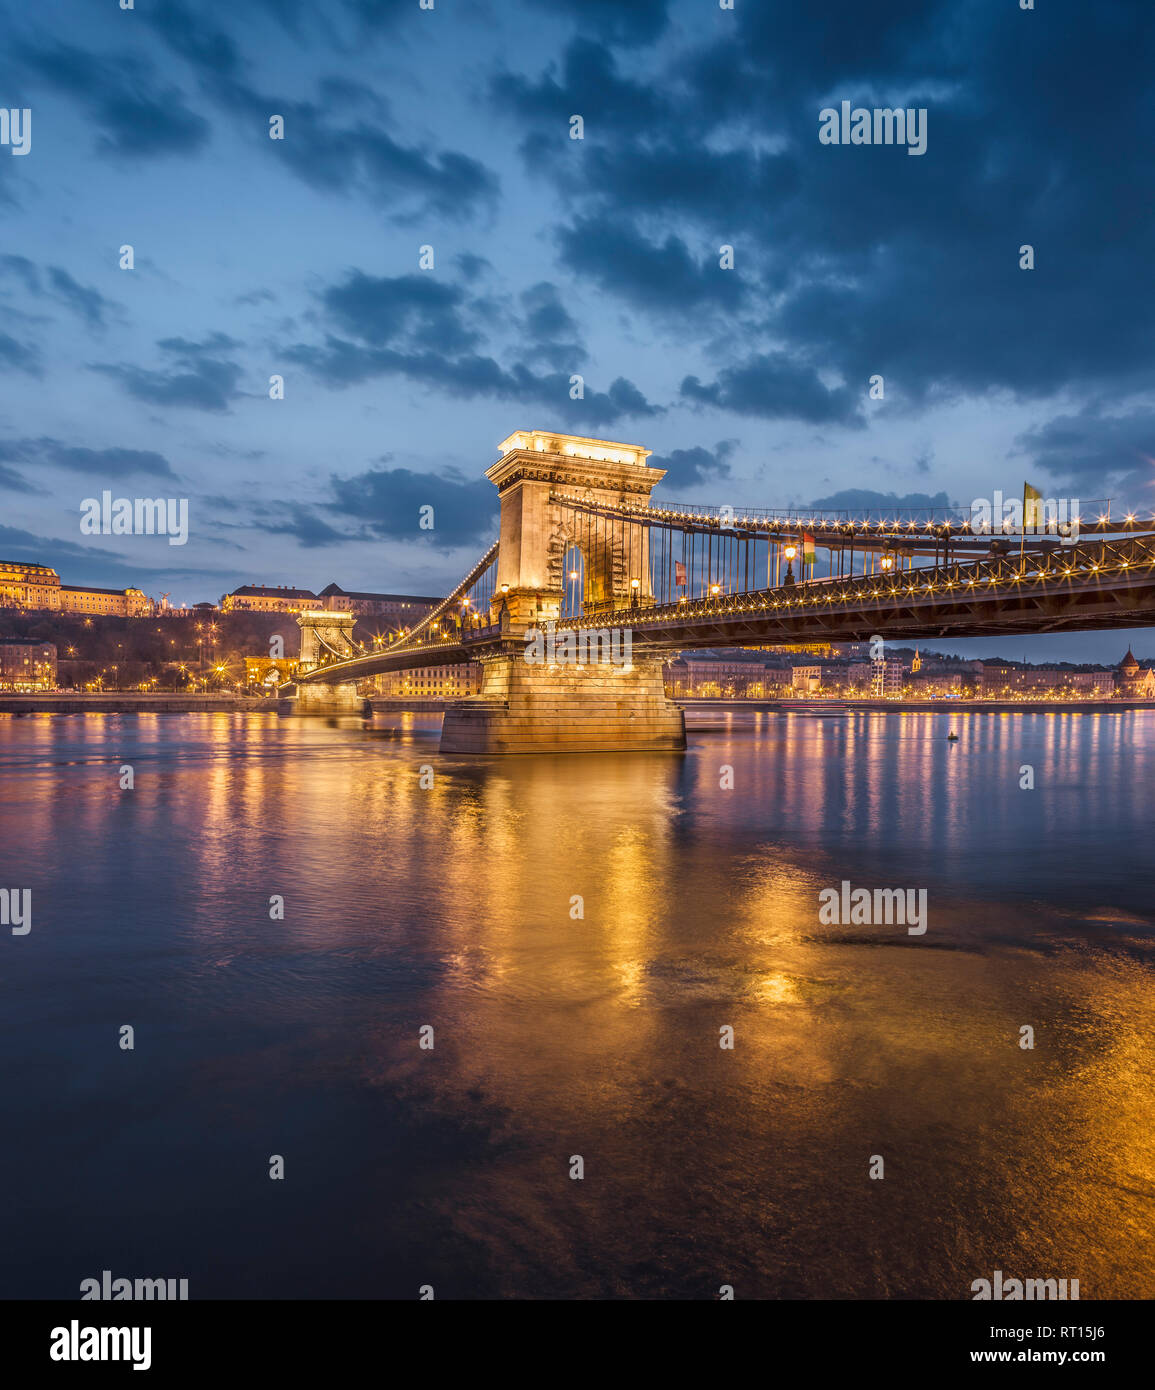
(399, 610)
(268, 598)
(37, 588)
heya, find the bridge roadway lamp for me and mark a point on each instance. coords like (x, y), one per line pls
(635, 585)
(789, 551)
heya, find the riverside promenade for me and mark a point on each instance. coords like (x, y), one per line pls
(133, 702)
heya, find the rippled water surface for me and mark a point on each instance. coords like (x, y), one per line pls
(450, 906)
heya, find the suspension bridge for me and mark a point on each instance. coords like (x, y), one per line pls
(582, 548)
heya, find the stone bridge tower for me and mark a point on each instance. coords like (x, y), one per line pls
(322, 634)
(536, 534)
(529, 706)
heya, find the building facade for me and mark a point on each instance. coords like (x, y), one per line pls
(120, 603)
(26, 664)
(269, 598)
(998, 679)
(37, 588)
(806, 678)
(398, 610)
(451, 682)
(28, 586)
(711, 678)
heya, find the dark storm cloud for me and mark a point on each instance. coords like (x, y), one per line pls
(588, 85)
(868, 260)
(661, 278)
(859, 499)
(11, 481)
(19, 544)
(471, 266)
(776, 387)
(692, 467)
(90, 304)
(547, 318)
(135, 116)
(56, 283)
(626, 22)
(1091, 450)
(355, 155)
(380, 14)
(404, 308)
(388, 501)
(199, 376)
(367, 159)
(21, 357)
(24, 270)
(306, 526)
(342, 363)
(97, 463)
(549, 330)
(417, 327)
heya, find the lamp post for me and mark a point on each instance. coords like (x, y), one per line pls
(635, 588)
(573, 574)
(789, 551)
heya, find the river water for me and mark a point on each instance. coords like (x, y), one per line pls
(452, 905)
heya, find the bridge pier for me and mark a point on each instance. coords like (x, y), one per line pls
(565, 708)
(314, 697)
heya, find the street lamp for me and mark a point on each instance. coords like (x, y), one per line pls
(635, 586)
(790, 551)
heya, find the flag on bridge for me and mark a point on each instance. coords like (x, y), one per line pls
(807, 548)
(1032, 512)
(679, 574)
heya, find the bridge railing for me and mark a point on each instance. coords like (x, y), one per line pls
(1056, 568)
(957, 517)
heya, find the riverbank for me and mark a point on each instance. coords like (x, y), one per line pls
(131, 702)
(866, 706)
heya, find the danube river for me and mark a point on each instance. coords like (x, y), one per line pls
(556, 1035)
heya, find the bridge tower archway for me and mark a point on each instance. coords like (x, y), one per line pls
(538, 472)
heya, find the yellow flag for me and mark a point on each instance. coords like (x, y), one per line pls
(1032, 514)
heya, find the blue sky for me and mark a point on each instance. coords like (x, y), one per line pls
(450, 128)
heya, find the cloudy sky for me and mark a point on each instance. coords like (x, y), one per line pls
(451, 128)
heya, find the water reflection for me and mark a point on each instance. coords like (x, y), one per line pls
(596, 1031)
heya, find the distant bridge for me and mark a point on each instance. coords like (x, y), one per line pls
(581, 546)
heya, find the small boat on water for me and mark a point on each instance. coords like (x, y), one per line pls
(952, 737)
